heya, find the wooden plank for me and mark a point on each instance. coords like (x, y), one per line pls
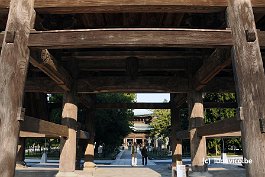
(111, 6)
(220, 127)
(250, 82)
(13, 68)
(130, 37)
(88, 105)
(24, 134)
(133, 37)
(219, 59)
(123, 84)
(43, 60)
(39, 126)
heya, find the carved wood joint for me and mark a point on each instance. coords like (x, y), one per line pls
(10, 36)
(250, 35)
(262, 125)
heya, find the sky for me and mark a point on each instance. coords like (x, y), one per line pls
(150, 98)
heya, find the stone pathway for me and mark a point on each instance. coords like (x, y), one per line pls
(121, 167)
(124, 159)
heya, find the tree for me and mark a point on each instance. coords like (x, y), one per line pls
(161, 123)
(112, 125)
(215, 114)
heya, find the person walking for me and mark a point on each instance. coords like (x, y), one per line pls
(144, 155)
(134, 154)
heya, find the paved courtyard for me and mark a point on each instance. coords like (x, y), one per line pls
(121, 167)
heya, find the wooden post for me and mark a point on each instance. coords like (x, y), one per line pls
(89, 153)
(68, 146)
(250, 82)
(197, 144)
(176, 144)
(13, 68)
(21, 153)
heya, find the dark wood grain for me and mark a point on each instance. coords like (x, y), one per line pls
(94, 6)
(31, 124)
(13, 68)
(219, 127)
(250, 82)
(219, 59)
(43, 60)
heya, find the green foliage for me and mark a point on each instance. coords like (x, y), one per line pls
(161, 123)
(216, 114)
(112, 125)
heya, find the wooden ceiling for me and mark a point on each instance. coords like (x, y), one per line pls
(134, 68)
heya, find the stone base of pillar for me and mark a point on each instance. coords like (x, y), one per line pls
(21, 164)
(89, 165)
(200, 174)
(66, 174)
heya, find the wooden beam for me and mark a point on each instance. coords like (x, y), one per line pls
(13, 68)
(123, 84)
(132, 106)
(86, 103)
(24, 134)
(129, 38)
(43, 60)
(220, 84)
(220, 127)
(118, 6)
(219, 59)
(133, 37)
(39, 126)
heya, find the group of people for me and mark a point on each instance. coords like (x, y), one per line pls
(134, 152)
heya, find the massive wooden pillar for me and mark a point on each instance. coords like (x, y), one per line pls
(176, 144)
(250, 82)
(13, 68)
(197, 144)
(89, 153)
(68, 146)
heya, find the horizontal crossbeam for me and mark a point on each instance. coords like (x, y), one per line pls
(39, 126)
(220, 127)
(132, 37)
(124, 84)
(116, 6)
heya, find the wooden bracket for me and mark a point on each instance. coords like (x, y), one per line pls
(239, 113)
(21, 114)
(10, 36)
(262, 125)
(250, 35)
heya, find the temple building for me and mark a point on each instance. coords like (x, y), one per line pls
(140, 130)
